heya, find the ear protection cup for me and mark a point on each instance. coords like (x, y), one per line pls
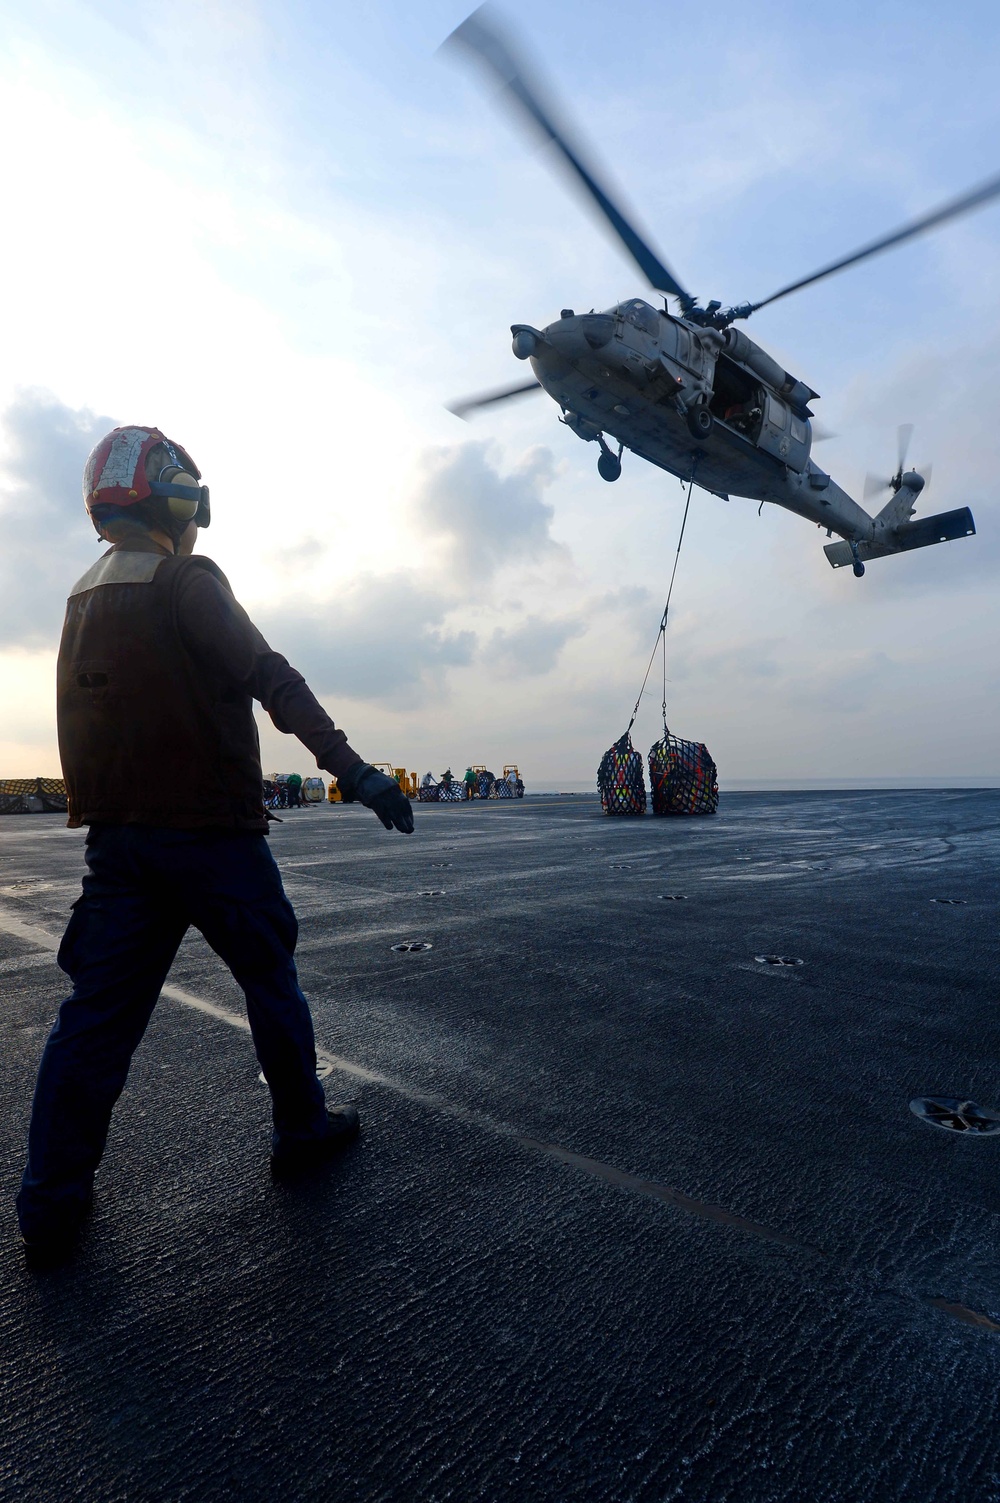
(185, 498)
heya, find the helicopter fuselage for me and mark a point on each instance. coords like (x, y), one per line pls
(690, 398)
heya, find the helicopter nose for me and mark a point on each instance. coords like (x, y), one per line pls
(580, 334)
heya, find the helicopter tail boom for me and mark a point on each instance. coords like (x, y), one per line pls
(923, 533)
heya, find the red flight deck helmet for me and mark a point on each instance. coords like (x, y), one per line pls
(115, 475)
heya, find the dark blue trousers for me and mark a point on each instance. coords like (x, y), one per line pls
(144, 887)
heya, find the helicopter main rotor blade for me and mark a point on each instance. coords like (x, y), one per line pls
(951, 210)
(466, 405)
(480, 34)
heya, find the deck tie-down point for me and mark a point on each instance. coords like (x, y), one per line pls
(956, 1116)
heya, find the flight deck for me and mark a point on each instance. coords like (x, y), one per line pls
(640, 1210)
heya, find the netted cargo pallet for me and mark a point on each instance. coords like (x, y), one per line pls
(682, 776)
(429, 795)
(32, 796)
(484, 784)
(620, 781)
(451, 793)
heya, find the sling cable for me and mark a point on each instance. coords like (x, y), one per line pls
(682, 775)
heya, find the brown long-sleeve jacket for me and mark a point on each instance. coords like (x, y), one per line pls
(158, 669)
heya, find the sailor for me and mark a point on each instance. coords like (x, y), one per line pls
(470, 783)
(159, 667)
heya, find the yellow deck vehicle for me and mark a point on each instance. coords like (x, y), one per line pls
(407, 780)
(510, 785)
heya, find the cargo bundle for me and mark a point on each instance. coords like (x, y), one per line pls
(32, 796)
(620, 780)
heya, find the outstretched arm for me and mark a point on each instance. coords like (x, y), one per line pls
(218, 632)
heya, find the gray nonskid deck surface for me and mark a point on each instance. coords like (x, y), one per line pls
(633, 1217)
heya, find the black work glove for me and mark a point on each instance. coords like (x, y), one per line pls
(364, 784)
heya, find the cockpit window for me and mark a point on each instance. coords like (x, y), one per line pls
(641, 316)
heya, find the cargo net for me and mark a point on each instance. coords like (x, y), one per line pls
(682, 777)
(32, 796)
(620, 781)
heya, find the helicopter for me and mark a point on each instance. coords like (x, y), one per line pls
(688, 391)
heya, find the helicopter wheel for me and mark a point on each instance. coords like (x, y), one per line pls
(699, 421)
(609, 466)
(859, 570)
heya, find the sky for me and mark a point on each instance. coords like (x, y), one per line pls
(287, 235)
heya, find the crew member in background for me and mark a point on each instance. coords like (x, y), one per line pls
(470, 783)
(159, 667)
(294, 791)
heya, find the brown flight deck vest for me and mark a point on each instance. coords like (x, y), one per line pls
(147, 734)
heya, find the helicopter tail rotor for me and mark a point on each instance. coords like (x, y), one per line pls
(876, 484)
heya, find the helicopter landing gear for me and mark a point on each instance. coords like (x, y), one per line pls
(699, 421)
(858, 566)
(609, 466)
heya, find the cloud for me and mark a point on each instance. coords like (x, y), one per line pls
(633, 606)
(730, 666)
(532, 648)
(482, 519)
(382, 638)
(388, 638)
(48, 540)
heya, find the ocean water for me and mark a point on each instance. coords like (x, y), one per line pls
(797, 785)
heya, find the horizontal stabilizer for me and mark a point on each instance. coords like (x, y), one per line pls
(921, 534)
(944, 528)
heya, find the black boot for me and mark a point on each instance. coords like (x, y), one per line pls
(57, 1246)
(306, 1158)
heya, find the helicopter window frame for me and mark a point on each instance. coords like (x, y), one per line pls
(642, 317)
(777, 412)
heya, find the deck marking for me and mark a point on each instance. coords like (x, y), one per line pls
(667, 1194)
(963, 1313)
(18, 929)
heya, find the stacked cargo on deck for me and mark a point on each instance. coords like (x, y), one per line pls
(478, 782)
(32, 796)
